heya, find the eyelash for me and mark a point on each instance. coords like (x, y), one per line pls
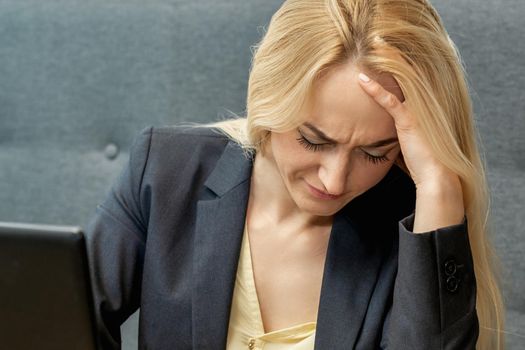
(316, 147)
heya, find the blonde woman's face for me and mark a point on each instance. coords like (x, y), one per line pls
(333, 151)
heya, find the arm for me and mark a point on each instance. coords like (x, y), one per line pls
(115, 238)
(434, 299)
(439, 203)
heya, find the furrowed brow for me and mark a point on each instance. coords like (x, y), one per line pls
(319, 133)
(380, 143)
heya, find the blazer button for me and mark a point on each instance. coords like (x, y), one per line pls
(452, 283)
(450, 267)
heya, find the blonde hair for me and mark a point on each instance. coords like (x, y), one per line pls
(308, 37)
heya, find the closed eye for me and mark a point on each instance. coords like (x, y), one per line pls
(310, 145)
(376, 159)
(315, 147)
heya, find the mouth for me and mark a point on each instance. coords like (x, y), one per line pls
(321, 194)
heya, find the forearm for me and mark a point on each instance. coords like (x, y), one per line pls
(434, 298)
(439, 203)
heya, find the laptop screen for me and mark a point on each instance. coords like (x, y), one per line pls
(45, 291)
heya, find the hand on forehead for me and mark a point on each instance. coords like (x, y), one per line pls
(387, 81)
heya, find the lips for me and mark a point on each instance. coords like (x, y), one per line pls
(320, 194)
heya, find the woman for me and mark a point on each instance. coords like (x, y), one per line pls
(347, 210)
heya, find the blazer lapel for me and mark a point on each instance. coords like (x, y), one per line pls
(350, 273)
(218, 237)
(364, 234)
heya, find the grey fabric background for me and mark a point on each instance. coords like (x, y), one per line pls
(79, 79)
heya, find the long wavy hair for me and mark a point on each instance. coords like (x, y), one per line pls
(306, 38)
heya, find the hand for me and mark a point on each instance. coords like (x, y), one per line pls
(425, 170)
(439, 197)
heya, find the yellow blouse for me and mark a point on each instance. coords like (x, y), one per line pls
(246, 330)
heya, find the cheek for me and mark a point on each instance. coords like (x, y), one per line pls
(290, 156)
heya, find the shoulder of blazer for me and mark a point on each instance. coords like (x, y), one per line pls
(192, 136)
(176, 146)
(180, 159)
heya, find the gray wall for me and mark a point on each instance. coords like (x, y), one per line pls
(81, 78)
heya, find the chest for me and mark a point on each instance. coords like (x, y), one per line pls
(288, 272)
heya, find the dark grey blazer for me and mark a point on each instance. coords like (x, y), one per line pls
(167, 239)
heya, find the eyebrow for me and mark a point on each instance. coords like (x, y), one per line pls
(323, 137)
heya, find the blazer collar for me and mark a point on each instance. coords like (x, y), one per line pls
(351, 269)
(233, 168)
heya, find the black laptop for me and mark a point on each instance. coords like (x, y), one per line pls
(45, 292)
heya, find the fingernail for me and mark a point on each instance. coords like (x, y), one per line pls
(364, 78)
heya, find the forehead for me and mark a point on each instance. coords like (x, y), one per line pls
(344, 111)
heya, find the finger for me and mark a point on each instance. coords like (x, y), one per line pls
(386, 100)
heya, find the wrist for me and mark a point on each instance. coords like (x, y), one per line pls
(442, 184)
(439, 203)
(442, 181)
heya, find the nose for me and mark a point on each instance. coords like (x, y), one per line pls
(334, 172)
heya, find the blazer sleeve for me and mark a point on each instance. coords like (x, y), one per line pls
(434, 297)
(115, 239)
